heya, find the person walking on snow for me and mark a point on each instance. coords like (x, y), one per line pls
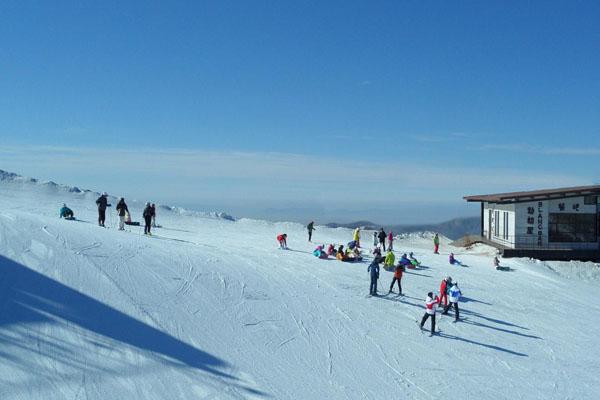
(444, 286)
(375, 240)
(65, 212)
(382, 236)
(436, 244)
(102, 203)
(374, 271)
(397, 278)
(310, 227)
(122, 210)
(282, 239)
(430, 307)
(454, 294)
(147, 214)
(390, 241)
(356, 237)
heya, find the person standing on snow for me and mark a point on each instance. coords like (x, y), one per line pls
(282, 239)
(102, 203)
(382, 236)
(454, 294)
(444, 285)
(153, 215)
(375, 240)
(397, 278)
(390, 241)
(356, 237)
(436, 244)
(310, 227)
(122, 210)
(374, 270)
(390, 258)
(147, 214)
(430, 307)
(65, 212)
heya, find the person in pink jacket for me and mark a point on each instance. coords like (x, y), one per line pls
(390, 241)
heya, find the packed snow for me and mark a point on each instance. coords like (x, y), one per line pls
(208, 307)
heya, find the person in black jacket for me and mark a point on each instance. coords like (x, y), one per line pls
(123, 211)
(382, 235)
(147, 214)
(153, 215)
(102, 203)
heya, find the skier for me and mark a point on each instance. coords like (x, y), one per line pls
(147, 214)
(102, 203)
(436, 244)
(390, 258)
(311, 228)
(496, 263)
(375, 238)
(331, 250)
(454, 294)
(430, 307)
(66, 212)
(374, 270)
(320, 253)
(122, 210)
(382, 236)
(356, 237)
(282, 239)
(153, 215)
(444, 290)
(397, 277)
(390, 241)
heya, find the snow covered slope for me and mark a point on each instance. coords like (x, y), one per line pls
(209, 308)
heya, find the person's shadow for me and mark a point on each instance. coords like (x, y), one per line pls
(29, 300)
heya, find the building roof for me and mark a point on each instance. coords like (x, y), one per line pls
(546, 194)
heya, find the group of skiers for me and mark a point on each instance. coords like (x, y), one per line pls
(149, 213)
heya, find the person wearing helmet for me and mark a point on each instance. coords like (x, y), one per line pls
(444, 286)
(66, 212)
(454, 294)
(122, 210)
(102, 203)
(147, 214)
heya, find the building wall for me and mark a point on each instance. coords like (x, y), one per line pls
(531, 222)
(499, 225)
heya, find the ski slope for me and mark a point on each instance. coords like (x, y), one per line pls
(209, 308)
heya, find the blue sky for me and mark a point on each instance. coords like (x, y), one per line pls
(383, 110)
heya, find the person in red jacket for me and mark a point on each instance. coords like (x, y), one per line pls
(397, 277)
(282, 239)
(444, 290)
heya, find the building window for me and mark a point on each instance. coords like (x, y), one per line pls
(505, 227)
(590, 200)
(572, 228)
(497, 223)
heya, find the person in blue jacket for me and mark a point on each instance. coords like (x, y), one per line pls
(404, 261)
(66, 212)
(374, 270)
(454, 294)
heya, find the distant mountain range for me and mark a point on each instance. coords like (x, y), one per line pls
(453, 229)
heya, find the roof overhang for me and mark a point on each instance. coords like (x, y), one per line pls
(535, 195)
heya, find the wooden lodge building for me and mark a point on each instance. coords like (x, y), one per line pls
(554, 224)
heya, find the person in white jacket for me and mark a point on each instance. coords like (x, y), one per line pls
(431, 303)
(454, 294)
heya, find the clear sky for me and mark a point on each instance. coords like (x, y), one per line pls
(337, 110)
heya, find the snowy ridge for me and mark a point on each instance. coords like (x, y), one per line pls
(209, 308)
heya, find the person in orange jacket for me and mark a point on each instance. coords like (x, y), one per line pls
(397, 277)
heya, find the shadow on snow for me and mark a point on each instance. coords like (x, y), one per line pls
(28, 297)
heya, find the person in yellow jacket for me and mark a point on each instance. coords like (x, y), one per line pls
(356, 237)
(390, 258)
